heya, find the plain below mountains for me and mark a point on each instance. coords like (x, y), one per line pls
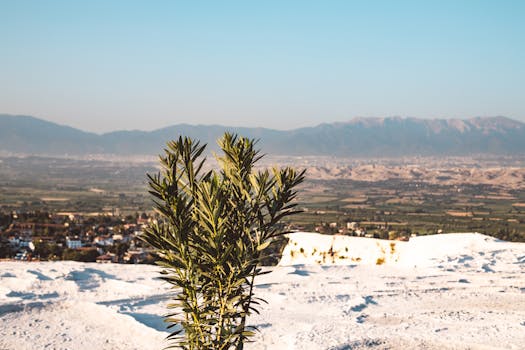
(359, 137)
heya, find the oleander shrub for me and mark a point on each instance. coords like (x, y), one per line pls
(214, 230)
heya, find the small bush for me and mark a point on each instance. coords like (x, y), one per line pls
(215, 227)
(84, 255)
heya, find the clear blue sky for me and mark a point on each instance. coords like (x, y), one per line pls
(107, 65)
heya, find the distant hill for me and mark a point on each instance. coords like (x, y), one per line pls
(360, 137)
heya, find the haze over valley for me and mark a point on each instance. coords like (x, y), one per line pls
(389, 196)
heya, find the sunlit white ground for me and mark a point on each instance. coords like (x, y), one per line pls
(456, 291)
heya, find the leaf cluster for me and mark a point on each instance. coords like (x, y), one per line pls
(214, 228)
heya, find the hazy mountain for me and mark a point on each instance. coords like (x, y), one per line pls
(392, 136)
(24, 134)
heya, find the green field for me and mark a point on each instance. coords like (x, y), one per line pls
(413, 208)
(382, 208)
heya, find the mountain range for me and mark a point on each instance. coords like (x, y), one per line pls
(359, 137)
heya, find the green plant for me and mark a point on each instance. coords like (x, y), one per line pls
(214, 229)
(87, 255)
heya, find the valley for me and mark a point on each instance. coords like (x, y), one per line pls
(385, 198)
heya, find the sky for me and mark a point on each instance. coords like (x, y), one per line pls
(103, 65)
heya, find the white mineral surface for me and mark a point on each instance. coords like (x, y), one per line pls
(451, 291)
